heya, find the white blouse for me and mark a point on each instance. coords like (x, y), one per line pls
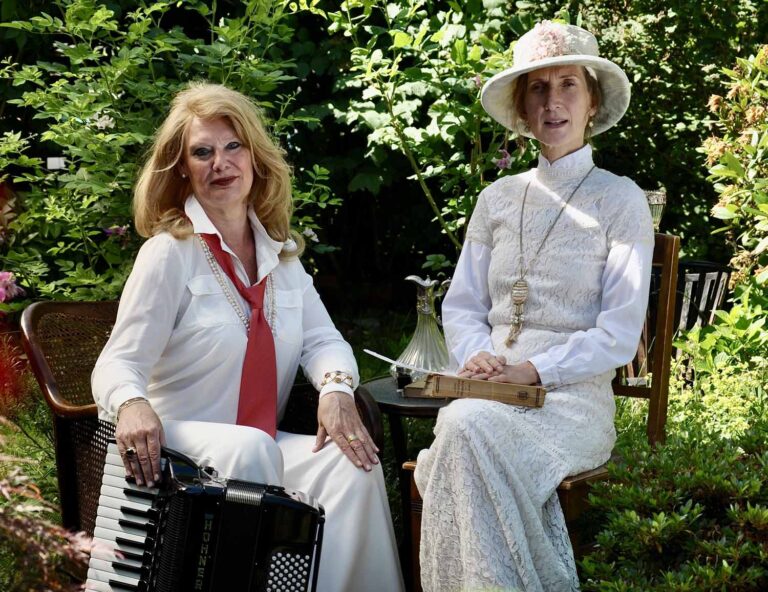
(178, 340)
(586, 353)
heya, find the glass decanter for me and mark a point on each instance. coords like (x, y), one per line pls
(427, 346)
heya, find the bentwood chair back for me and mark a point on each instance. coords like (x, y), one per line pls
(63, 341)
(646, 377)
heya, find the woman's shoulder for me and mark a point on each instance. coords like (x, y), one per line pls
(623, 207)
(164, 246)
(502, 188)
(619, 190)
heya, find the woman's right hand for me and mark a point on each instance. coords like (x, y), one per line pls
(482, 366)
(140, 429)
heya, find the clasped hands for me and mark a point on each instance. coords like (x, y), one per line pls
(486, 366)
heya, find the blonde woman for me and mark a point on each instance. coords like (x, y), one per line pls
(551, 288)
(216, 317)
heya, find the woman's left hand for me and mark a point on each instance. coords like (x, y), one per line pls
(524, 373)
(337, 418)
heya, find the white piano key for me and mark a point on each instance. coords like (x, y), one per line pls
(112, 524)
(106, 549)
(117, 514)
(120, 482)
(110, 534)
(112, 568)
(111, 556)
(96, 586)
(106, 500)
(114, 459)
(116, 471)
(118, 493)
(105, 575)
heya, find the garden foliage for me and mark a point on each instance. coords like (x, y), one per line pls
(691, 515)
(738, 159)
(419, 69)
(378, 101)
(100, 101)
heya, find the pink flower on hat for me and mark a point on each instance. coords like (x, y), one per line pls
(549, 41)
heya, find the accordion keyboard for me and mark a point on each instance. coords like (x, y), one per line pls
(197, 532)
(123, 538)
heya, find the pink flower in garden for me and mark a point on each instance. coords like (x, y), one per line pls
(8, 288)
(505, 161)
(478, 81)
(116, 230)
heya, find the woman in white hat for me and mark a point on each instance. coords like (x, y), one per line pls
(551, 288)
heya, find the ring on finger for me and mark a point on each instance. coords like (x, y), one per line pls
(130, 452)
(352, 437)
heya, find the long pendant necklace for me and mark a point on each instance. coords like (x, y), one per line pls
(520, 286)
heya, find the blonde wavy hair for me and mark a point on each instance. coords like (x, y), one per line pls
(158, 200)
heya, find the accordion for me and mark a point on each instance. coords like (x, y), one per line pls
(197, 532)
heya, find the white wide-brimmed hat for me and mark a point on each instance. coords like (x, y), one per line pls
(554, 44)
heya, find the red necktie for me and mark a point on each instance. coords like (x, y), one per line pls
(257, 406)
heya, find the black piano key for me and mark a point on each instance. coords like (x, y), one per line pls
(135, 556)
(136, 525)
(150, 513)
(127, 566)
(148, 542)
(125, 586)
(139, 494)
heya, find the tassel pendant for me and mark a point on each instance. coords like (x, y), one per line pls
(519, 296)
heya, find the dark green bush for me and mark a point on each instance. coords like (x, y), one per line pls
(691, 515)
(100, 101)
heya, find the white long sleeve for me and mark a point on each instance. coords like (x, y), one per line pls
(466, 305)
(610, 344)
(179, 342)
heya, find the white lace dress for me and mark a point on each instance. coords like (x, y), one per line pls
(491, 518)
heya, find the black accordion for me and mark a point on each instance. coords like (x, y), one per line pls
(197, 532)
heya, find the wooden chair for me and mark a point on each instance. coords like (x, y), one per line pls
(646, 377)
(63, 341)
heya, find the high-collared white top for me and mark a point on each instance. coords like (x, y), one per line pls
(603, 330)
(178, 340)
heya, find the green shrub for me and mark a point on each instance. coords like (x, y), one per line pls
(691, 515)
(736, 341)
(738, 159)
(417, 69)
(100, 102)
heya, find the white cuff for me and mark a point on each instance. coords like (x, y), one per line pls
(119, 396)
(547, 369)
(337, 386)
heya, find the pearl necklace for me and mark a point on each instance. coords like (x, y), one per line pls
(269, 300)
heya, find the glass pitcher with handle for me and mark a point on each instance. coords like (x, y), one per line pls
(426, 348)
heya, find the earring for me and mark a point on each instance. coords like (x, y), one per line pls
(591, 123)
(183, 175)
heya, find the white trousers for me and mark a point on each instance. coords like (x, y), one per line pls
(359, 551)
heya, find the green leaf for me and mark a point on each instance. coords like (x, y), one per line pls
(401, 39)
(725, 213)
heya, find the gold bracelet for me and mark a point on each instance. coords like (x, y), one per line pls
(337, 377)
(128, 403)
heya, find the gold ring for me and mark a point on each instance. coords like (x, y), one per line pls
(351, 438)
